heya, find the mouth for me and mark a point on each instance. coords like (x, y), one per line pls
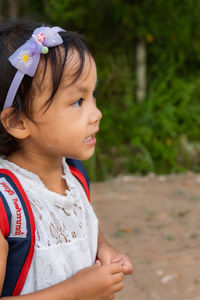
(90, 140)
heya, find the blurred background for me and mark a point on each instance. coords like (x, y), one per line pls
(148, 60)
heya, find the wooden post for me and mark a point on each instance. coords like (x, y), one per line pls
(1, 13)
(141, 82)
(13, 8)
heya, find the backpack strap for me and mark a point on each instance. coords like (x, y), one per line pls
(18, 227)
(78, 170)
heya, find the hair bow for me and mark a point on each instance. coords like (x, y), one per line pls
(26, 58)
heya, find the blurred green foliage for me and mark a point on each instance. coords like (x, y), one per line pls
(161, 134)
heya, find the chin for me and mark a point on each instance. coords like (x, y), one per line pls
(87, 155)
(82, 156)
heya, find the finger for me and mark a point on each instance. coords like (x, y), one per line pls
(117, 259)
(117, 278)
(118, 287)
(115, 268)
(127, 269)
(98, 263)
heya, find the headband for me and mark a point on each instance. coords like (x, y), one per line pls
(26, 58)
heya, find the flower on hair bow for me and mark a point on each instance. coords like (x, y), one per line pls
(26, 57)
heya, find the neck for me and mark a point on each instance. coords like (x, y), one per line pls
(38, 164)
(49, 169)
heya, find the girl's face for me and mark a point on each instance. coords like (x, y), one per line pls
(69, 126)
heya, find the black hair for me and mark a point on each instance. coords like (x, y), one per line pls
(13, 34)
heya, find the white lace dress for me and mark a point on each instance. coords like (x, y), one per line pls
(66, 229)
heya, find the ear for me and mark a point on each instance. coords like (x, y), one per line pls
(17, 128)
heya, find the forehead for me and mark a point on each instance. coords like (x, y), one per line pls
(74, 69)
(43, 84)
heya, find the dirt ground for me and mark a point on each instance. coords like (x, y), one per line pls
(156, 221)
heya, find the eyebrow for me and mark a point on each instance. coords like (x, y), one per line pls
(85, 89)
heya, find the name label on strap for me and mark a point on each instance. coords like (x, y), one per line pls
(18, 226)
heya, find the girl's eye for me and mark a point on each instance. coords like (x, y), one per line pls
(78, 103)
(94, 93)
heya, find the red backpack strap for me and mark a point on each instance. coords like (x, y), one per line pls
(18, 226)
(4, 223)
(77, 169)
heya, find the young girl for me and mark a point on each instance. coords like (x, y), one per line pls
(48, 113)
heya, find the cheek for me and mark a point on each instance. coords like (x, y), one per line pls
(70, 128)
(64, 135)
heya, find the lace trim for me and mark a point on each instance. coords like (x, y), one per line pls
(59, 219)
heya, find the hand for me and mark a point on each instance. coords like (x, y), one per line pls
(127, 267)
(108, 255)
(99, 282)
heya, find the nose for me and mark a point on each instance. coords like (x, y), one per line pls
(95, 115)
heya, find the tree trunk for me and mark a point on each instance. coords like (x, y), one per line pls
(13, 8)
(1, 13)
(141, 81)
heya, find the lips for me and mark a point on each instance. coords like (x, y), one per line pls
(91, 140)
